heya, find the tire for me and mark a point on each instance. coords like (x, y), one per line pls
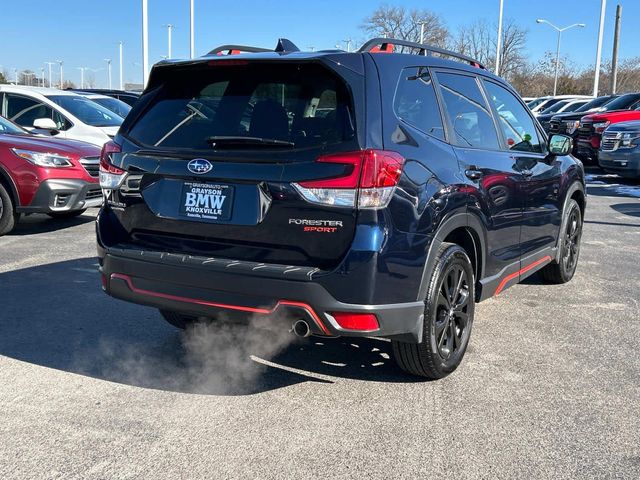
(8, 216)
(446, 330)
(179, 320)
(562, 271)
(63, 215)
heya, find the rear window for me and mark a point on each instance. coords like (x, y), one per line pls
(302, 104)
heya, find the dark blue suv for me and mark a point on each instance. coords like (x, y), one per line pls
(378, 193)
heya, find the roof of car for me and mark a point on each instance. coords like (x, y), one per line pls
(38, 90)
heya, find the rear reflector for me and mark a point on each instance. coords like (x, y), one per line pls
(356, 321)
(369, 180)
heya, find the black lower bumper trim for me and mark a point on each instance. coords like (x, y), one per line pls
(208, 293)
(64, 195)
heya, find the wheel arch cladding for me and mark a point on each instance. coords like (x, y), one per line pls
(9, 185)
(466, 231)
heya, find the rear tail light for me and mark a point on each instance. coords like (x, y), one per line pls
(111, 177)
(369, 182)
(356, 321)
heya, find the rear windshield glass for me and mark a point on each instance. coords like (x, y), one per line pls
(304, 105)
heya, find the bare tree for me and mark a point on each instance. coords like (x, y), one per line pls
(478, 40)
(403, 24)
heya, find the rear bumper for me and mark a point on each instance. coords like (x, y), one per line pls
(207, 288)
(64, 195)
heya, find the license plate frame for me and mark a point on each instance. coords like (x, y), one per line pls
(206, 201)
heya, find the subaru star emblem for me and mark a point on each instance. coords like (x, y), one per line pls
(199, 166)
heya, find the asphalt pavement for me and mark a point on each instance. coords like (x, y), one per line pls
(91, 387)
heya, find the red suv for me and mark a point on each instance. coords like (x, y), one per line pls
(45, 175)
(592, 126)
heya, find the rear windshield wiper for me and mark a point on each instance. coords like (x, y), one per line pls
(221, 141)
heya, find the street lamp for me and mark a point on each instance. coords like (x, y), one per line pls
(82, 69)
(50, 77)
(559, 30)
(120, 69)
(348, 42)
(108, 60)
(60, 62)
(169, 30)
(421, 23)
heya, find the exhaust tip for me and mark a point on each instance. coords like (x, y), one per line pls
(301, 329)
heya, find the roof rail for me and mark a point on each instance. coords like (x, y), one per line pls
(424, 49)
(284, 46)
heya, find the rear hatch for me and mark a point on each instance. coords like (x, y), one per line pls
(214, 151)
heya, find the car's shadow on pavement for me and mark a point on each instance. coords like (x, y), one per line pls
(40, 223)
(56, 316)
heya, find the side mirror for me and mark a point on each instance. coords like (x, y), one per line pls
(45, 124)
(560, 145)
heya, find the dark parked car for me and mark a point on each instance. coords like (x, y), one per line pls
(620, 149)
(128, 97)
(576, 106)
(567, 123)
(45, 175)
(356, 194)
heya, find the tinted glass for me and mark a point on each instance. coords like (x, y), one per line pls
(623, 102)
(415, 102)
(116, 106)
(515, 120)
(595, 103)
(87, 111)
(572, 107)
(300, 103)
(7, 127)
(467, 111)
(554, 108)
(24, 111)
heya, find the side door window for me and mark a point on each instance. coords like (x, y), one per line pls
(519, 129)
(24, 111)
(469, 115)
(415, 102)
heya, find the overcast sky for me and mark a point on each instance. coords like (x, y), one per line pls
(85, 32)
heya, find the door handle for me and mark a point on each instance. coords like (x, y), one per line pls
(473, 173)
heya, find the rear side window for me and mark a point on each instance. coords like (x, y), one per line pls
(415, 102)
(304, 104)
(468, 113)
(517, 125)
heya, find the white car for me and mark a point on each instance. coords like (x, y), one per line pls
(116, 106)
(542, 103)
(58, 113)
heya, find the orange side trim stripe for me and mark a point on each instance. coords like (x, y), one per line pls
(511, 276)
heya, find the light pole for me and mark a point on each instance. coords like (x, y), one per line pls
(60, 62)
(42, 75)
(192, 48)
(596, 80)
(348, 42)
(145, 43)
(499, 41)
(169, 31)
(82, 69)
(422, 22)
(50, 77)
(559, 30)
(108, 60)
(28, 76)
(120, 68)
(15, 76)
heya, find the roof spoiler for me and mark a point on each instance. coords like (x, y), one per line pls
(284, 46)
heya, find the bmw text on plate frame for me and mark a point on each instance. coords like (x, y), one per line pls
(199, 166)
